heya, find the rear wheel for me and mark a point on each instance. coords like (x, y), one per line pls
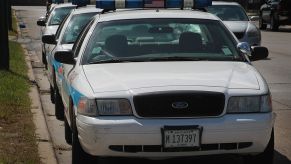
(266, 157)
(59, 106)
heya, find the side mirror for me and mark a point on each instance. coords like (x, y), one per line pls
(254, 18)
(49, 39)
(41, 21)
(245, 48)
(259, 53)
(65, 56)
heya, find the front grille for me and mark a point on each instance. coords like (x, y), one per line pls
(239, 35)
(191, 104)
(159, 148)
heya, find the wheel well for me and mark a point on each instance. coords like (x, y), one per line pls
(71, 113)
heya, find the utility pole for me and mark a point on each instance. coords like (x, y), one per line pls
(4, 46)
(9, 15)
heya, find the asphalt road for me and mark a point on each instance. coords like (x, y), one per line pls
(276, 70)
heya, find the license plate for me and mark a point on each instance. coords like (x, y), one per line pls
(181, 136)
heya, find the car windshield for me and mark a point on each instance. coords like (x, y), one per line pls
(228, 12)
(58, 15)
(75, 26)
(160, 40)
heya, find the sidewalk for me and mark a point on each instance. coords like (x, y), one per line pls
(45, 146)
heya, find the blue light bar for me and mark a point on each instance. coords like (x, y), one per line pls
(202, 3)
(123, 4)
(83, 2)
(60, 1)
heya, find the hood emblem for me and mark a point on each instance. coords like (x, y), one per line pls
(180, 105)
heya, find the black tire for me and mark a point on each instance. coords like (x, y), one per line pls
(274, 23)
(79, 156)
(52, 92)
(266, 157)
(44, 58)
(68, 132)
(262, 24)
(59, 106)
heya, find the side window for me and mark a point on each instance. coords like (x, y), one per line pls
(78, 44)
(61, 27)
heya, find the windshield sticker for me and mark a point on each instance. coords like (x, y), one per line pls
(226, 51)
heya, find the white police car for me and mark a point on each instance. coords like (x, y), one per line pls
(235, 17)
(51, 22)
(64, 38)
(162, 83)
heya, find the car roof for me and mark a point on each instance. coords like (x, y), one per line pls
(87, 9)
(224, 3)
(156, 13)
(64, 5)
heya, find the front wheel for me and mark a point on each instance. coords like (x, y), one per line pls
(52, 94)
(68, 132)
(266, 157)
(262, 24)
(274, 23)
(59, 106)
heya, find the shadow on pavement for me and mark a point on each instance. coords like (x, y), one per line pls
(281, 159)
(286, 29)
(216, 159)
(221, 159)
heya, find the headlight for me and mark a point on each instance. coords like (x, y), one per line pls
(87, 107)
(105, 107)
(251, 104)
(109, 107)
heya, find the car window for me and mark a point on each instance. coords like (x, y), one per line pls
(59, 30)
(78, 43)
(156, 38)
(57, 16)
(228, 12)
(75, 26)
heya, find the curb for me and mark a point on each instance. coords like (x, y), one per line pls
(45, 147)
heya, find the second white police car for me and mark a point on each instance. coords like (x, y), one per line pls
(162, 83)
(51, 22)
(64, 38)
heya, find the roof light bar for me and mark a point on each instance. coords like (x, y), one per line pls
(60, 1)
(122, 4)
(83, 2)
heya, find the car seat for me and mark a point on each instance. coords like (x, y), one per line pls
(190, 42)
(116, 45)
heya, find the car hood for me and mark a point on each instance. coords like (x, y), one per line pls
(127, 76)
(237, 26)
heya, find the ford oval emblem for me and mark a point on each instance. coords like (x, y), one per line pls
(180, 105)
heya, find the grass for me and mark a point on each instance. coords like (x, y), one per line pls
(17, 131)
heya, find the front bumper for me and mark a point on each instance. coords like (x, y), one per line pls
(112, 136)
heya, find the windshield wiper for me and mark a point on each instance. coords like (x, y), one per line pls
(71, 42)
(176, 58)
(113, 60)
